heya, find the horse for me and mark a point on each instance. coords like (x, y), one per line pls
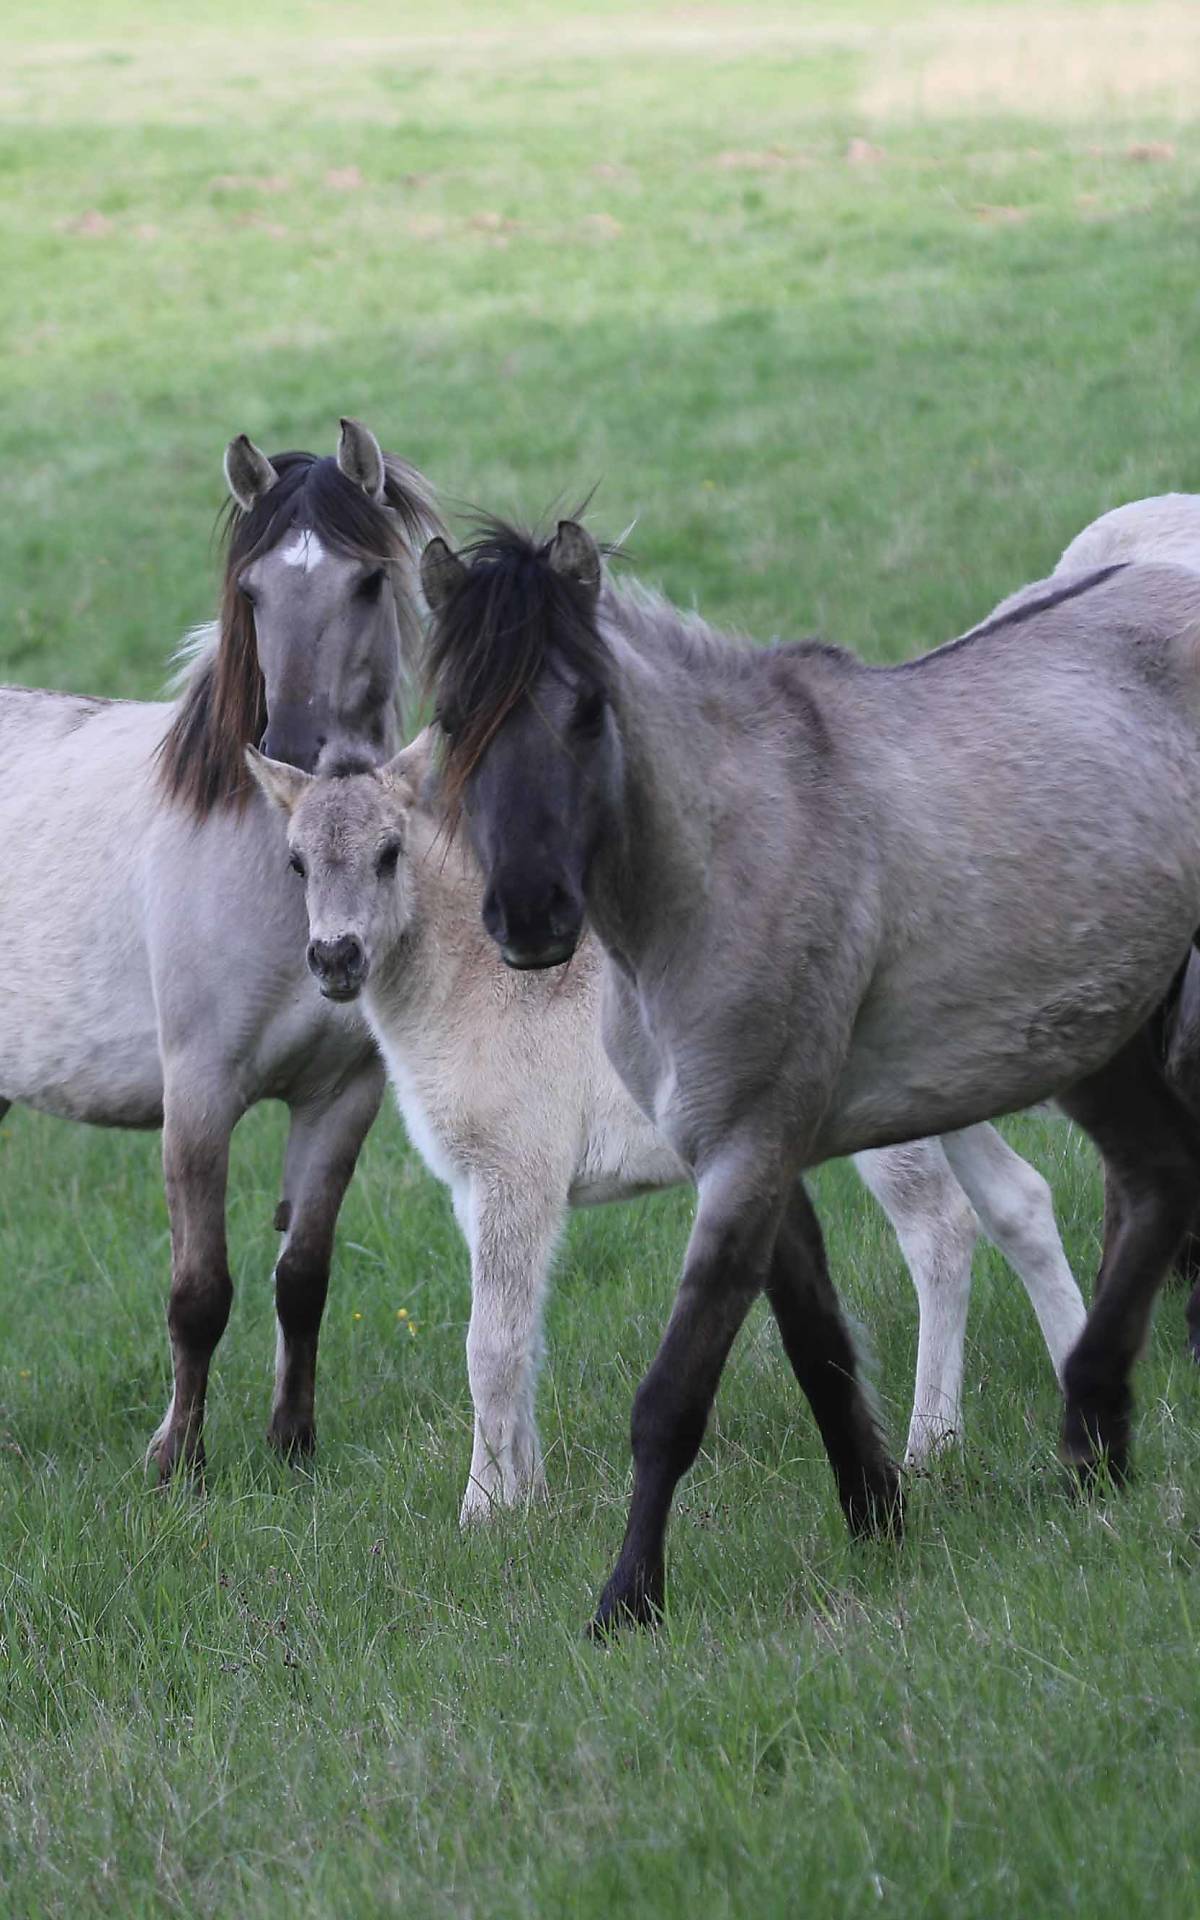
(841, 906)
(510, 1099)
(1164, 527)
(151, 938)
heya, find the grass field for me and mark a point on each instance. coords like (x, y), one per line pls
(862, 310)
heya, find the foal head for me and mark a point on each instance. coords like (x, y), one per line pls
(348, 845)
(318, 616)
(522, 681)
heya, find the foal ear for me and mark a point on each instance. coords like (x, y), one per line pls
(575, 555)
(401, 777)
(248, 472)
(360, 458)
(283, 785)
(442, 574)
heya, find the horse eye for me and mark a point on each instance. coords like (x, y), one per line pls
(589, 714)
(296, 863)
(448, 721)
(370, 588)
(246, 591)
(389, 858)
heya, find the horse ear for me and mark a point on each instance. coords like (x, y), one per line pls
(442, 573)
(360, 458)
(284, 786)
(248, 472)
(575, 555)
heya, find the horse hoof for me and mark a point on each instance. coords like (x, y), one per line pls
(1095, 1449)
(876, 1506)
(627, 1604)
(170, 1460)
(292, 1439)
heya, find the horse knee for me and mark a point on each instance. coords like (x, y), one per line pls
(301, 1287)
(198, 1310)
(930, 1214)
(1021, 1212)
(499, 1369)
(666, 1428)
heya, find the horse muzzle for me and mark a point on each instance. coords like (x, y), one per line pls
(555, 953)
(339, 967)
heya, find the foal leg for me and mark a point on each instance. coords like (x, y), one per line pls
(817, 1341)
(937, 1231)
(197, 1125)
(1016, 1211)
(323, 1146)
(1151, 1149)
(512, 1227)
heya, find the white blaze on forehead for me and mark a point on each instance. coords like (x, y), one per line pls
(305, 551)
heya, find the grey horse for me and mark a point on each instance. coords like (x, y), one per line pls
(148, 875)
(842, 907)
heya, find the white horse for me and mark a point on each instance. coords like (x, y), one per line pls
(151, 939)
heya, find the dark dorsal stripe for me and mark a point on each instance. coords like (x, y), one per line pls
(1017, 616)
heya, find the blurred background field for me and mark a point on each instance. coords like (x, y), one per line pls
(860, 311)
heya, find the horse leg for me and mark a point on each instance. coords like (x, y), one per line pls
(724, 1271)
(324, 1142)
(196, 1133)
(512, 1229)
(1182, 1045)
(1151, 1149)
(937, 1231)
(817, 1341)
(1016, 1211)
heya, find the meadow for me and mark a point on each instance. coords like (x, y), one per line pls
(859, 312)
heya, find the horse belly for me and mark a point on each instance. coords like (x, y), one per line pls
(926, 1059)
(78, 1027)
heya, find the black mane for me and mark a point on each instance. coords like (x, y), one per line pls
(511, 616)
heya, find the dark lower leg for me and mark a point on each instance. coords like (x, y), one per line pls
(201, 1288)
(301, 1286)
(818, 1344)
(323, 1149)
(670, 1413)
(1151, 1149)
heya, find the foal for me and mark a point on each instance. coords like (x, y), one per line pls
(825, 931)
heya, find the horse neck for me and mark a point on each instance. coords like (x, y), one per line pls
(652, 869)
(444, 943)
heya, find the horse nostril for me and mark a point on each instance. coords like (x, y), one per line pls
(343, 956)
(493, 915)
(561, 911)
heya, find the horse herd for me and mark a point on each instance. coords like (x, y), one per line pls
(643, 905)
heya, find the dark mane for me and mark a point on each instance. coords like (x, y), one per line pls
(223, 707)
(511, 616)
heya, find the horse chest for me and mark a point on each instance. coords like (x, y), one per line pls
(430, 1119)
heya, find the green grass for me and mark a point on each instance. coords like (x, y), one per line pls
(863, 311)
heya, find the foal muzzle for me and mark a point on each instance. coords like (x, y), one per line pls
(339, 967)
